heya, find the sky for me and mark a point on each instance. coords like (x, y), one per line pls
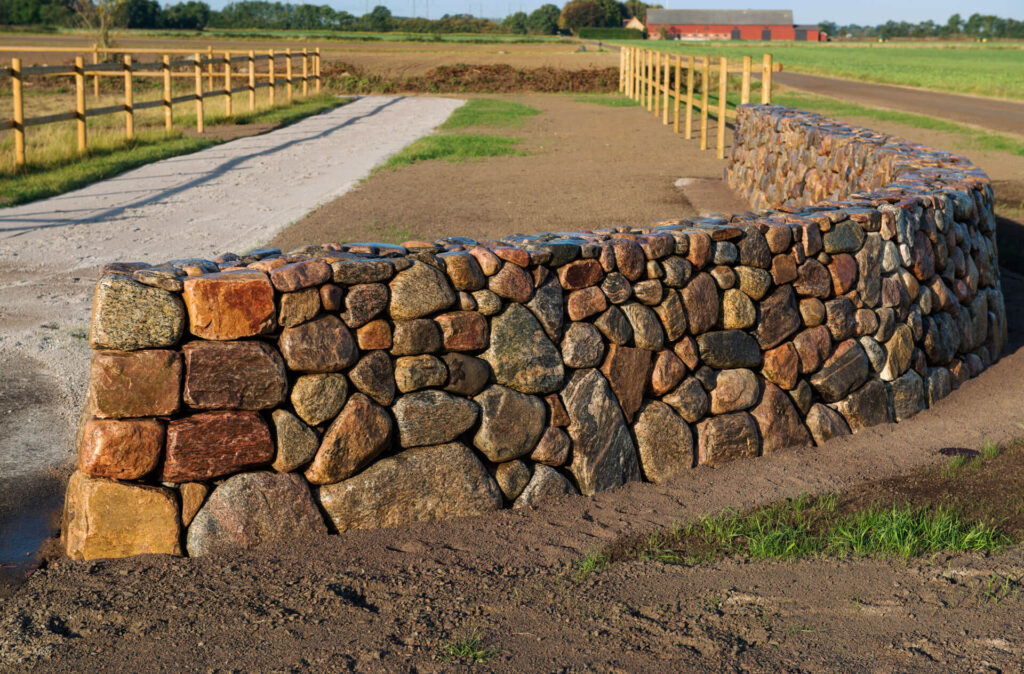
(864, 12)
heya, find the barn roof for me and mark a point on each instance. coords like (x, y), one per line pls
(738, 17)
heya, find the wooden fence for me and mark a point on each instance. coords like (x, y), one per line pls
(655, 79)
(255, 70)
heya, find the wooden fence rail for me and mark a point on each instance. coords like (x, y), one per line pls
(231, 68)
(654, 79)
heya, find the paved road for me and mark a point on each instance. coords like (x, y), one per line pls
(996, 115)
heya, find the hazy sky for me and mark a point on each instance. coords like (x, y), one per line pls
(864, 12)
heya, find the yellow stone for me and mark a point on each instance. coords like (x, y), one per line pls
(106, 518)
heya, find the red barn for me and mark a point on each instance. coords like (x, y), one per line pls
(728, 24)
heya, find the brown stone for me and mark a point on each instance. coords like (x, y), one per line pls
(629, 259)
(725, 438)
(839, 317)
(868, 406)
(299, 275)
(923, 263)
(415, 372)
(331, 297)
(419, 335)
(813, 346)
(296, 442)
(649, 292)
(700, 297)
(843, 270)
(464, 271)
(782, 366)
(825, 423)
(779, 318)
(417, 485)
(627, 370)
(374, 376)
(512, 478)
(734, 390)
(845, 370)
(779, 238)
(511, 423)
(323, 345)
(419, 291)
(134, 384)
(467, 375)
(813, 280)
(431, 417)
(557, 414)
(724, 276)
(512, 283)
(585, 303)
(553, 447)
(672, 315)
(690, 400)
(104, 518)
(463, 330)
(246, 375)
(298, 307)
(647, 331)
(363, 303)
(664, 442)
(356, 437)
(319, 397)
(374, 335)
(668, 371)
(488, 261)
(738, 311)
(783, 269)
(122, 449)
(580, 274)
(517, 256)
(779, 421)
(230, 305)
(812, 311)
(193, 494)
(212, 444)
(688, 352)
(700, 249)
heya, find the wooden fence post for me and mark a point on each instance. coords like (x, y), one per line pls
(96, 77)
(745, 91)
(679, 66)
(305, 72)
(723, 87)
(649, 80)
(129, 102)
(317, 90)
(690, 76)
(209, 68)
(272, 63)
(80, 102)
(168, 114)
(766, 79)
(665, 78)
(622, 69)
(656, 76)
(252, 80)
(18, 115)
(227, 84)
(705, 77)
(199, 93)
(288, 73)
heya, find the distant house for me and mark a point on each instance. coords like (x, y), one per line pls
(634, 22)
(728, 24)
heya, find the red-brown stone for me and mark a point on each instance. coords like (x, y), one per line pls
(627, 370)
(463, 330)
(247, 375)
(782, 366)
(211, 444)
(813, 346)
(813, 280)
(557, 414)
(700, 296)
(488, 261)
(331, 297)
(923, 263)
(464, 271)
(580, 274)
(299, 275)
(843, 269)
(783, 269)
(323, 345)
(668, 371)
(374, 335)
(629, 258)
(512, 282)
(688, 352)
(134, 383)
(230, 305)
(584, 303)
(122, 449)
(700, 252)
(779, 421)
(517, 256)
(779, 237)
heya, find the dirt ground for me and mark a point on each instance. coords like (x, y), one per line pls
(619, 167)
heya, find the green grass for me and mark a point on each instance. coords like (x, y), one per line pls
(455, 147)
(611, 100)
(592, 562)
(60, 175)
(489, 112)
(469, 648)
(992, 69)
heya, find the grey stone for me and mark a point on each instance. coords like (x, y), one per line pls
(868, 406)
(511, 423)
(415, 372)
(690, 400)
(938, 385)
(419, 291)
(582, 346)
(546, 304)
(825, 423)
(521, 355)
(319, 397)
(467, 375)
(432, 417)
(735, 390)
(845, 237)
(614, 325)
(616, 288)
(664, 442)
(729, 349)
(296, 442)
(546, 483)
(907, 395)
(753, 282)
(127, 315)
(647, 332)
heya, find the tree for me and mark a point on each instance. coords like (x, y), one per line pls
(99, 16)
(191, 15)
(638, 9)
(141, 14)
(614, 13)
(955, 25)
(544, 20)
(829, 27)
(379, 19)
(515, 23)
(581, 14)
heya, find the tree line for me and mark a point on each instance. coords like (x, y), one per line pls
(976, 26)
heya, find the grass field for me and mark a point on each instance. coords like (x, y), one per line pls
(994, 69)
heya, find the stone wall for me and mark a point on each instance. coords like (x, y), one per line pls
(279, 395)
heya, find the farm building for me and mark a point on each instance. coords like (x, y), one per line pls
(728, 24)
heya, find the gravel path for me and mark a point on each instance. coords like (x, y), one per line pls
(231, 197)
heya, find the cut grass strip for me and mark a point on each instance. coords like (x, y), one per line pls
(115, 156)
(455, 147)
(468, 648)
(610, 100)
(489, 112)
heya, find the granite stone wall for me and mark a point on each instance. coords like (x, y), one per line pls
(278, 395)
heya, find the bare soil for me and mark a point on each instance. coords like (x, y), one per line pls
(586, 166)
(464, 78)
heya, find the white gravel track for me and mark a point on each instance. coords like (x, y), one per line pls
(231, 197)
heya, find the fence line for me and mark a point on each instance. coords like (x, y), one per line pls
(653, 79)
(129, 70)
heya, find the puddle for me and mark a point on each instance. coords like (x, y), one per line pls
(29, 515)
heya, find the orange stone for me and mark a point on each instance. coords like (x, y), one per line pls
(122, 449)
(374, 335)
(134, 383)
(212, 444)
(627, 370)
(580, 274)
(463, 330)
(230, 305)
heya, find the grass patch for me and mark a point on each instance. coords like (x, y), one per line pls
(111, 155)
(469, 648)
(455, 147)
(489, 112)
(610, 100)
(593, 562)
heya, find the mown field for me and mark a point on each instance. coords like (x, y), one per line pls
(992, 69)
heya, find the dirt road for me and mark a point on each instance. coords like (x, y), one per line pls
(988, 113)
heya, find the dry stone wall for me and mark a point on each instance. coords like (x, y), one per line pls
(277, 395)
